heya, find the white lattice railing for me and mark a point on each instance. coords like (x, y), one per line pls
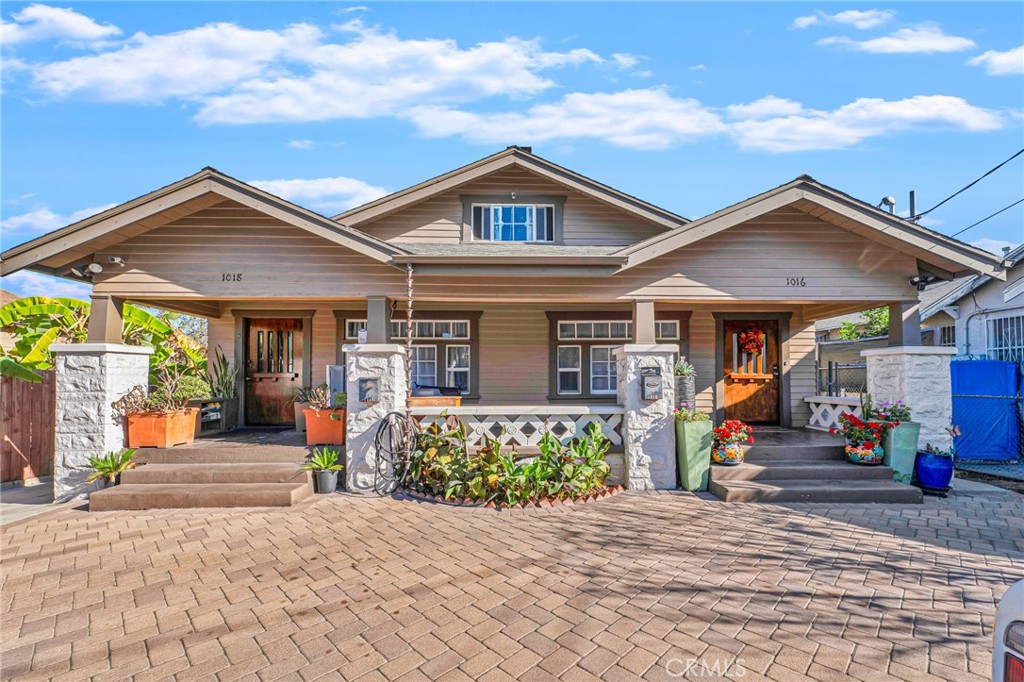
(524, 425)
(825, 410)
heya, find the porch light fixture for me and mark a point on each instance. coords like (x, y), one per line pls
(94, 268)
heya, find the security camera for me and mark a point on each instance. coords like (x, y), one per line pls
(116, 260)
(94, 268)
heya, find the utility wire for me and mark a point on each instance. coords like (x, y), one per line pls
(1019, 201)
(967, 187)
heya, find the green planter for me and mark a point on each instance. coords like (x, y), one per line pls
(693, 452)
(900, 446)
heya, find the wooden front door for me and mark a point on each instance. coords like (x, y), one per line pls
(751, 378)
(273, 363)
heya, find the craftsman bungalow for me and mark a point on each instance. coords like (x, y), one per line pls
(525, 276)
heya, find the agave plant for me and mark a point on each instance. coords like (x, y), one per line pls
(324, 459)
(110, 465)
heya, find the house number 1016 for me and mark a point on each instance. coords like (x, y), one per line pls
(231, 277)
(796, 282)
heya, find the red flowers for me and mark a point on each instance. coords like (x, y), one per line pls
(857, 431)
(733, 431)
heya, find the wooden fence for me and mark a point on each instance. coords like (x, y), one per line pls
(26, 426)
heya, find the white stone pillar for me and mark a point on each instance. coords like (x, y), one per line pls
(919, 376)
(648, 430)
(89, 377)
(384, 362)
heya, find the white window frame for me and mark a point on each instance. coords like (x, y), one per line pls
(398, 329)
(578, 370)
(451, 371)
(416, 362)
(659, 327)
(591, 337)
(531, 227)
(612, 377)
(947, 335)
(1006, 348)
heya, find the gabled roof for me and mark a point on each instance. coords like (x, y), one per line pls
(945, 294)
(945, 254)
(512, 156)
(56, 251)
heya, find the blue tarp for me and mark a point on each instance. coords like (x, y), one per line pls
(985, 400)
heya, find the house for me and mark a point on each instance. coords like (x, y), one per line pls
(528, 283)
(6, 340)
(980, 316)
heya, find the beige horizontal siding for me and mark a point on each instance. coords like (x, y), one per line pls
(586, 220)
(802, 379)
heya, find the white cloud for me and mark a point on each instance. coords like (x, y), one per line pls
(641, 119)
(766, 107)
(995, 246)
(862, 19)
(625, 61)
(1008, 63)
(43, 22)
(25, 283)
(862, 119)
(921, 39)
(698, 67)
(41, 220)
(325, 195)
(301, 144)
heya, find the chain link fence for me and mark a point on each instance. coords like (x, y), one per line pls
(991, 429)
(842, 378)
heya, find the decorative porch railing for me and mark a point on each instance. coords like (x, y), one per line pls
(825, 410)
(522, 426)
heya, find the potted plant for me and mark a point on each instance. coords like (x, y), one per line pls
(325, 467)
(300, 402)
(686, 382)
(223, 385)
(730, 437)
(863, 438)
(693, 446)
(934, 469)
(900, 441)
(325, 417)
(107, 468)
(159, 419)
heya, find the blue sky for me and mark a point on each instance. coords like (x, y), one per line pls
(689, 106)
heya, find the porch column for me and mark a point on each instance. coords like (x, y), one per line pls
(648, 429)
(905, 323)
(90, 376)
(376, 385)
(919, 376)
(378, 319)
(105, 319)
(643, 321)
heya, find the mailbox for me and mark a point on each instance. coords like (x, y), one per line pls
(369, 390)
(650, 383)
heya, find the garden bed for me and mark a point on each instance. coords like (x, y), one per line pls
(607, 491)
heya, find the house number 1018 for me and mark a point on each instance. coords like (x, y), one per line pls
(796, 282)
(231, 277)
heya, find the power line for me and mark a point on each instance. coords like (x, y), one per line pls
(967, 187)
(1019, 201)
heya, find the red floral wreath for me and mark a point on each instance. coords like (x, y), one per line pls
(751, 340)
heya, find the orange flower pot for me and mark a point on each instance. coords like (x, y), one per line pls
(161, 429)
(322, 430)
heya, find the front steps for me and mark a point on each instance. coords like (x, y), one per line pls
(218, 475)
(805, 466)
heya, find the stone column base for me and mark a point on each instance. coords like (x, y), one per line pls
(384, 362)
(648, 426)
(89, 377)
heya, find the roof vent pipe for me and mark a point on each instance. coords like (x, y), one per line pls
(913, 205)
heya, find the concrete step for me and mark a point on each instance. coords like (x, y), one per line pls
(791, 469)
(822, 491)
(222, 454)
(191, 496)
(236, 472)
(766, 453)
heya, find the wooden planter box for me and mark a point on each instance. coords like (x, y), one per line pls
(322, 430)
(436, 401)
(161, 429)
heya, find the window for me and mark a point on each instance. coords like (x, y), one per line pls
(514, 222)
(1006, 339)
(589, 331)
(947, 335)
(603, 374)
(666, 330)
(569, 366)
(421, 329)
(458, 367)
(424, 365)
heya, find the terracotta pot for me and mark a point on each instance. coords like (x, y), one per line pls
(322, 430)
(729, 453)
(161, 429)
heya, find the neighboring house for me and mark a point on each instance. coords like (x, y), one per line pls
(980, 316)
(526, 277)
(6, 339)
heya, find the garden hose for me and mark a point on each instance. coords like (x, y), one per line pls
(393, 443)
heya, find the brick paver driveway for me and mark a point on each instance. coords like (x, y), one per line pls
(633, 586)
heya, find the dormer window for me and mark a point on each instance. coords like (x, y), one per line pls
(521, 219)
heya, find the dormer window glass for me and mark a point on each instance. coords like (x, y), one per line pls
(514, 222)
